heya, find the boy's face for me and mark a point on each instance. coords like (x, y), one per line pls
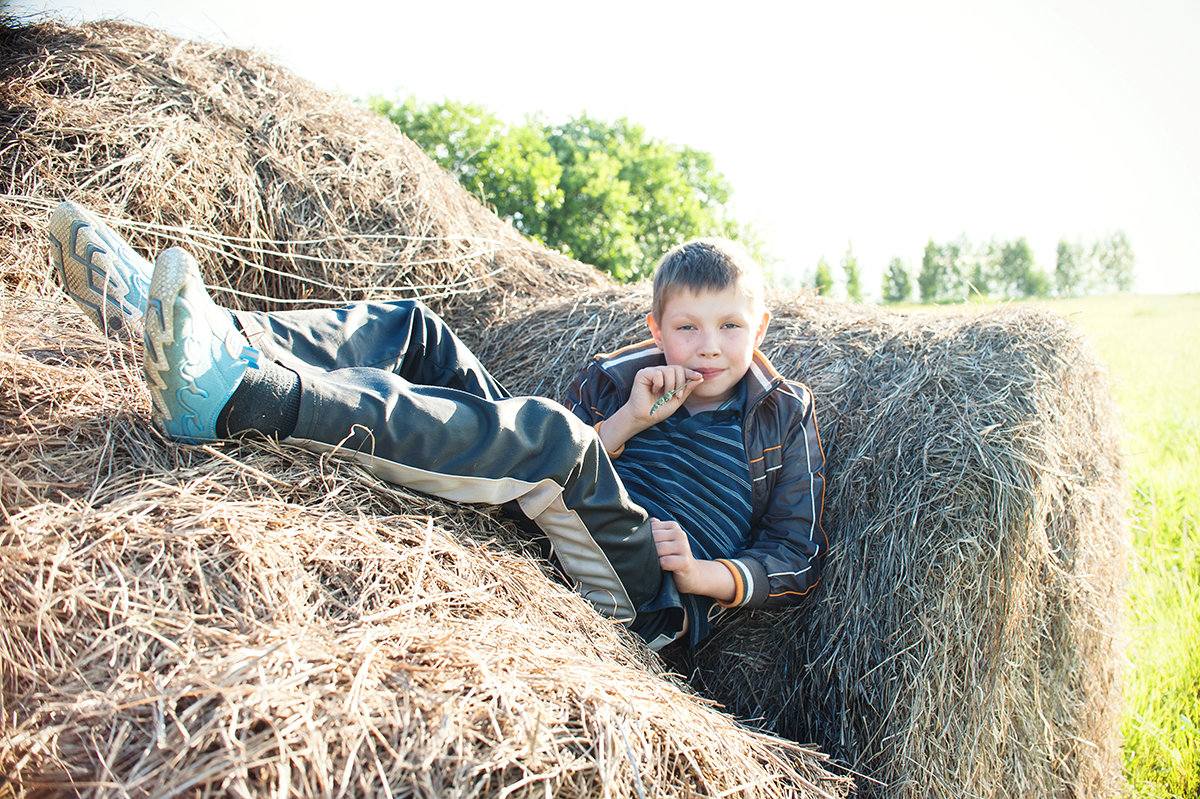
(713, 332)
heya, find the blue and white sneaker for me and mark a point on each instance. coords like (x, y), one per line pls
(106, 278)
(195, 355)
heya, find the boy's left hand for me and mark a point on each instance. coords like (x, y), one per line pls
(692, 575)
(674, 550)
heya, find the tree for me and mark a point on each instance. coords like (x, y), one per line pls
(980, 272)
(941, 276)
(1114, 262)
(510, 167)
(603, 192)
(823, 279)
(664, 194)
(930, 277)
(897, 282)
(851, 274)
(1070, 270)
(1016, 274)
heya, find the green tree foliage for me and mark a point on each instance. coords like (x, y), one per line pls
(1070, 270)
(603, 192)
(979, 271)
(1114, 263)
(1015, 273)
(631, 197)
(852, 275)
(897, 282)
(929, 279)
(823, 278)
(510, 167)
(1104, 267)
(955, 271)
(941, 278)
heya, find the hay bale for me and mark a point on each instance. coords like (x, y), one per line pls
(244, 619)
(282, 191)
(963, 641)
(251, 620)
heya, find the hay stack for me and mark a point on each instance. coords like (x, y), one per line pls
(963, 640)
(245, 619)
(250, 620)
(282, 191)
(254, 621)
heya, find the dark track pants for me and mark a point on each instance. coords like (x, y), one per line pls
(390, 385)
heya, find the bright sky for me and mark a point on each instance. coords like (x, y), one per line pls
(865, 122)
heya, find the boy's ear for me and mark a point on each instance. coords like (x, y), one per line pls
(762, 328)
(655, 332)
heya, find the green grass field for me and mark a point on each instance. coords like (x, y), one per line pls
(1152, 348)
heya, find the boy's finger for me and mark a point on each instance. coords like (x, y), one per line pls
(666, 542)
(670, 563)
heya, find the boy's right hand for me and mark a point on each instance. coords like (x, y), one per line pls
(655, 383)
(649, 386)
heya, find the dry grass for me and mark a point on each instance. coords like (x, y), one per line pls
(282, 191)
(255, 620)
(965, 638)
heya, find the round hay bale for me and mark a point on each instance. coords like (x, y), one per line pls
(256, 621)
(964, 639)
(251, 620)
(284, 192)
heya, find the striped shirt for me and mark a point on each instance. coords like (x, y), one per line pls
(693, 470)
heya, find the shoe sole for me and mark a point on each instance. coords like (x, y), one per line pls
(159, 332)
(97, 268)
(200, 383)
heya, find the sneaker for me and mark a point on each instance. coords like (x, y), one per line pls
(195, 355)
(106, 278)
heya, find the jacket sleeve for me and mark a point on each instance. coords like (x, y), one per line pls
(591, 394)
(783, 560)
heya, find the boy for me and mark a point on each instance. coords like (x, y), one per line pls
(737, 465)
(390, 385)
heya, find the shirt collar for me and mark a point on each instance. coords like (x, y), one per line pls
(735, 404)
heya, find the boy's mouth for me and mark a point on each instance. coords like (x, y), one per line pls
(709, 372)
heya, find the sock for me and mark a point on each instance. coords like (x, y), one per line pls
(267, 401)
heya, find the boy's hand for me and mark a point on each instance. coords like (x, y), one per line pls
(674, 550)
(692, 576)
(643, 409)
(654, 384)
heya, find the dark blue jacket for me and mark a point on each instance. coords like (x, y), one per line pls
(787, 470)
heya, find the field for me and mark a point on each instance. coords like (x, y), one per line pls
(1152, 347)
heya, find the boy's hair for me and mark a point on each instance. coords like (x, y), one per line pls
(709, 264)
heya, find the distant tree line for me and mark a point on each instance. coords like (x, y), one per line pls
(956, 270)
(825, 281)
(610, 195)
(605, 193)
